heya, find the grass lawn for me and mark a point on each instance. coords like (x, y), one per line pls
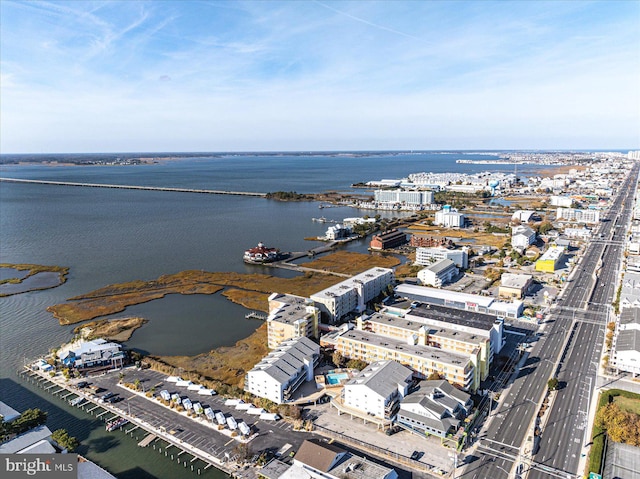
(628, 404)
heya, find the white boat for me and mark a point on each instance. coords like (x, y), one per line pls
(255, 411)
(244, 429)
(174, 379)
(268, 416)
(231, 422)
(220, 418)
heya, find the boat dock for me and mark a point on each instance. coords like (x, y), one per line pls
(135, 187)
(132, 420)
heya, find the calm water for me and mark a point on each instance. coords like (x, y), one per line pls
(109, 236)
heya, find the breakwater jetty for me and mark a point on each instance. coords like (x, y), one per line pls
(135, 187)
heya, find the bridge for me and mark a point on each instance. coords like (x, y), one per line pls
(134, 187)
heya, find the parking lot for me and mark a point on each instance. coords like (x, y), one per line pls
(198, 433)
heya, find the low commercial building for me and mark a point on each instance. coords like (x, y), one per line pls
(578, 216)
(626, 346)
(449, 218)
(583, 233)
(439, 273)
(564, 201)
(436, 408)
(97, 352)
(522, 236)
(352, 295)
(318, 459)
(337, 231)
(378, 389)
(551, 259)
(388, 239)
(426, 256)
(515, 285)
(291, 317)
(418, 241)
(277, 376)
(465, 301)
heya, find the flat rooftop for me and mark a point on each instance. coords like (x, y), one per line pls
(408, 324)
(292, 308)
(460, 317)
(425, 352)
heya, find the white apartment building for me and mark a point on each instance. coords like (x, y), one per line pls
(563, 201)
(407, 197)
(291, 317)
(426, 256)
(523, 215)
(378, 389)
(578, 216)
(353, 294)
(583, 233)
(277, 376)
(449, 218)
(438, 274)
(522, 236)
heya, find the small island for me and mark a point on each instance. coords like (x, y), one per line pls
(24, 278)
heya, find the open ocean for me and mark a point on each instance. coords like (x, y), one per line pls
(110, 236)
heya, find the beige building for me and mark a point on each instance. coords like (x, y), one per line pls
(456, 367)
(514, 285)
(291, 317)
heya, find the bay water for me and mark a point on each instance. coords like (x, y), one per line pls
(110, 236)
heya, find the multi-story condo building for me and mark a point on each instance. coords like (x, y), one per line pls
(378, 389)
(439, 273)
(456, 368)
(477, 347)
(449, 218)
(436, 408)
(291, 317)
(407, 197)
(353, 294)
(277, 376)
(522, 236)
(388, 239)
(578, 216)
(426, 256)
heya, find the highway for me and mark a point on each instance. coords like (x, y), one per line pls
(134, 187)
(573, 336)
(565, 436)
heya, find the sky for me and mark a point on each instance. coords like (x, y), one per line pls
(298, 75)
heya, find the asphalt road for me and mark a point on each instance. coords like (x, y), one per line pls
(582, 331)
(565, 436)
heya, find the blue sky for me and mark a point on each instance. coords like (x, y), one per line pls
(318, 75)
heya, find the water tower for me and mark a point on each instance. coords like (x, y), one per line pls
(493, 185)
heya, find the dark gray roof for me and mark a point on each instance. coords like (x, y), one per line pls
(441, 265)
(454, 316)
(25, 440)
(630, 315)
(628, 340)
(382, 377)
